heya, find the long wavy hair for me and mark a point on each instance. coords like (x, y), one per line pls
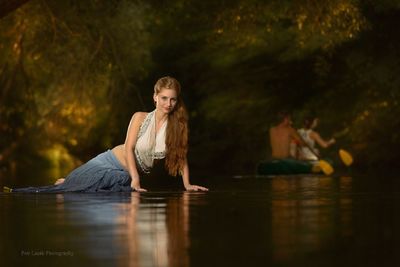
(176, 140)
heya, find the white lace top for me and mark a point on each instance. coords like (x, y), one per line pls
(305, 152)
(150, 146)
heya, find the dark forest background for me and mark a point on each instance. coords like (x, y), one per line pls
(73, 72)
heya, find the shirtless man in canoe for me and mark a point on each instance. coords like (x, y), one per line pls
(281, 137)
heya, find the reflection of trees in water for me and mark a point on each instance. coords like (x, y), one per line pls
(154, 234)
(308, 214)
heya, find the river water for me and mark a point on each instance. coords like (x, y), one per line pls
(248, 221)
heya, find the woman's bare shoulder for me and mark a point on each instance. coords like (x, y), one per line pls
(139, 116)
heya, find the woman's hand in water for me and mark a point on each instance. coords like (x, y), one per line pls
(135, 184)
(195, 188)
(59, 181)
(139, 189)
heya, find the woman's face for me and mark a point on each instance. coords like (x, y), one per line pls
(166, 100)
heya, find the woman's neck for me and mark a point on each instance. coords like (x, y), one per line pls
(160, 117)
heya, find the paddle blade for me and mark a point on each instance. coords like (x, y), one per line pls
(345, 157)
(326, 168)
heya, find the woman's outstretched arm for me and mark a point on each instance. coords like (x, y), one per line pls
(186, 182)
(323, 143)
(129, 146)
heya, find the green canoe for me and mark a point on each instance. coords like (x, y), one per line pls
(286, 166)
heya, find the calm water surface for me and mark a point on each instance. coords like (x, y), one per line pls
(282, 221)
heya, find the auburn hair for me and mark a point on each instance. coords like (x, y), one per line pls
(176, 140)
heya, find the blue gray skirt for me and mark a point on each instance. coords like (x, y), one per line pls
(103, 173)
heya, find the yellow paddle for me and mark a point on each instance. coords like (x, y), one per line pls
(325, 166)
(346, 157)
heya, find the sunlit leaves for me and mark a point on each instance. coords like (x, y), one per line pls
(61, 62)
(298, 27)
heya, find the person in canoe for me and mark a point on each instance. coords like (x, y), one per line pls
(283, 159)
(312, 137)
(154, 137)
(282, 136)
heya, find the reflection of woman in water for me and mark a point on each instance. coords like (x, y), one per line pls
(160, 134)
(310, 136)
(160, 237)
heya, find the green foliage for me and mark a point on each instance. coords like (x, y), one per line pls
(61, 63)
(75, 71)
